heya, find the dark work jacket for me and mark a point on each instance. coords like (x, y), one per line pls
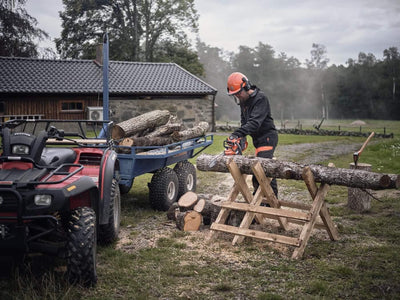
(256, 120)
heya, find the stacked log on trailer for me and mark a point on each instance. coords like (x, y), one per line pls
(155, 128)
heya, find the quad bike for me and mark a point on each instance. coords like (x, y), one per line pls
(59, 193)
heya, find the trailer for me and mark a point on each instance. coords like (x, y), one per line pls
(167, 184)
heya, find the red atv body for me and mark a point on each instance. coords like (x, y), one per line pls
(59, 192)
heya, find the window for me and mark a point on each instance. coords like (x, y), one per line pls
(72, 106)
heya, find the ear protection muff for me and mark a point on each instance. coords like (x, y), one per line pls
(246, 84)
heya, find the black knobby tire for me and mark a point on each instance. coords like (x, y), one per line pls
(187, 179)
(82, 247)
(108, 233)
(163, 189)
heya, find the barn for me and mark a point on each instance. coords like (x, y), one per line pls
(68, 89)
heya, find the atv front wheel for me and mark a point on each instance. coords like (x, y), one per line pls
(109, 232)
(186, 173)
(163, 189)
(81, 247)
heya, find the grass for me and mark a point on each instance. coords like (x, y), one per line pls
(363, 264)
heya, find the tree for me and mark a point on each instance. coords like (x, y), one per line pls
(19, 31)
(392, 62)
(216, 70)
(317, 64)
(137, 29)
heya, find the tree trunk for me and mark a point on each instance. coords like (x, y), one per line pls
(189, 220)
(142, 122)
(196, 131)
(359, 200)
(289, 170)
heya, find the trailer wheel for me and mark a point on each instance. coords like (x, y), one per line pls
(81, 247)
(186, 173)
(108, 233)
(163, 189)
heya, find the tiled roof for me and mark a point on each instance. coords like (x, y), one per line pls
(31, 75)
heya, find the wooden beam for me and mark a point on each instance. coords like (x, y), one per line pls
(276, 238)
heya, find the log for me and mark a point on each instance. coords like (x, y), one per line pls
(189, 220)
(165, 129)
(173, 211)
(200, 205)
(196, 131)
(290, 170)
(210, 209)
(148, 141)
(187, 201)
(140, 123)
(359, 200)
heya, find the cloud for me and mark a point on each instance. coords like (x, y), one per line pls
(344, 27)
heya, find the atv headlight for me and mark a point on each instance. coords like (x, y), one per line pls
(42, 200)
(20, 149)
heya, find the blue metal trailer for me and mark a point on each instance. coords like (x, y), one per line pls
(167, 184)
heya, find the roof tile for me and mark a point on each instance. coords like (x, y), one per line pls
(31, 75)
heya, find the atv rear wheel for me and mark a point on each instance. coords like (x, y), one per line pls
(108, 233)
(163, 189)
(82, 247)
(186, 173)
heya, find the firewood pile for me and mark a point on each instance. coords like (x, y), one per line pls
(155, 128)
(193, 210)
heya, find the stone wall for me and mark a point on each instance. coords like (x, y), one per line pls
(188, 110)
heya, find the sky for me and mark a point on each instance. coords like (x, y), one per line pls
(344, 27)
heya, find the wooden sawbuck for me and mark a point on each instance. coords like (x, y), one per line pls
(303, 214)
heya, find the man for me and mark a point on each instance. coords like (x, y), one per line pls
(256, 119)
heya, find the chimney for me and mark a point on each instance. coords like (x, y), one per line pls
(99, 54)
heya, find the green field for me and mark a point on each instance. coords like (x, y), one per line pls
(363, 264)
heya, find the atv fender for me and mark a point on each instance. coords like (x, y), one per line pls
(107, 170)
(83, 184)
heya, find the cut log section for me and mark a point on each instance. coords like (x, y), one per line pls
(187, 201)
(290, 170)
(140, 123)
(189, 220)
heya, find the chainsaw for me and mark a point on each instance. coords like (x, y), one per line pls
(233, 146)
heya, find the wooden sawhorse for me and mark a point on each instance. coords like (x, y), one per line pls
(264, 193)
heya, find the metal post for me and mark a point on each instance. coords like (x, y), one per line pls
(105, 77)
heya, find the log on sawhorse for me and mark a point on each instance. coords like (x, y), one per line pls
(264, 194)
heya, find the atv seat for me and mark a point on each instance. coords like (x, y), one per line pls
(55, 157)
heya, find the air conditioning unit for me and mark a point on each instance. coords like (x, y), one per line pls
(95, 113)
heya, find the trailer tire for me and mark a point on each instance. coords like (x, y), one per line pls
(81, 247)
(108, 233)
(163, 189)
(186, 173)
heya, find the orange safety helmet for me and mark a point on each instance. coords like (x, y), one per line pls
(237, 82)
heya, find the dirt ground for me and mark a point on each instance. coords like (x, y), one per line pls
(146, 233)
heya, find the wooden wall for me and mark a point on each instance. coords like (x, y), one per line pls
(46, 106)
